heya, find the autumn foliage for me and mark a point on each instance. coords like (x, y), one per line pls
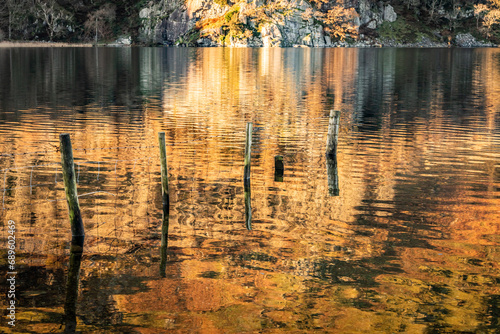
(489, 14)
(338, 20)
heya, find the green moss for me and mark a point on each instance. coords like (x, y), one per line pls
(398, 30)
(403, 31)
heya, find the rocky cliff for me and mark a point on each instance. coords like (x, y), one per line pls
(241, 23)
(282, 23)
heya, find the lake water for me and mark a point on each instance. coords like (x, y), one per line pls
(410, 244)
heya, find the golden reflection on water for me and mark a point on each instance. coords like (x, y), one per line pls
(410, 244)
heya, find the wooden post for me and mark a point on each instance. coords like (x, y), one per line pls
(333, 134)
(279, 168)
(164, 172)
(246, 177)
(248, 153)
(166, 203)
(68, 169)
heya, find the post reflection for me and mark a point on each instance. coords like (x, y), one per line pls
(331, 153)
(248, 207)
(75, 261)
(333, 176)
(247, 177)
(164, 239)
(279, 168)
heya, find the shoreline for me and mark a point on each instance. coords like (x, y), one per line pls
(358, 44)
(40, 44)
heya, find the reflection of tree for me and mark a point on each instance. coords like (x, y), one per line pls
(84, 75)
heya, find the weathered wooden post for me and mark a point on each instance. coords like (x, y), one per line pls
(68, 169)
(331, 153)
(333, 134)
(166, 204)
(246, 177)
(248, 153)
(164, 171)
(279, 168)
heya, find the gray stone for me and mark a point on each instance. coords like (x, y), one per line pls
(389, 14)
(124, 40)
(145, 13)
(468, 41)
(328, 41)
(365, 12)
(372, 24)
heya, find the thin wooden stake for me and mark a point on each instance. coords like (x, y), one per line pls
(246, 177)
(166, 204)
(248, 153)
(164, 170)
(68, 169)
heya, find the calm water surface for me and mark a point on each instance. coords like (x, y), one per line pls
(411, 244)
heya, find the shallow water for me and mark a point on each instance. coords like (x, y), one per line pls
(411, 243)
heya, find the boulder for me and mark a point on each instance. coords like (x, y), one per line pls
(389, 14)
(124, 40)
